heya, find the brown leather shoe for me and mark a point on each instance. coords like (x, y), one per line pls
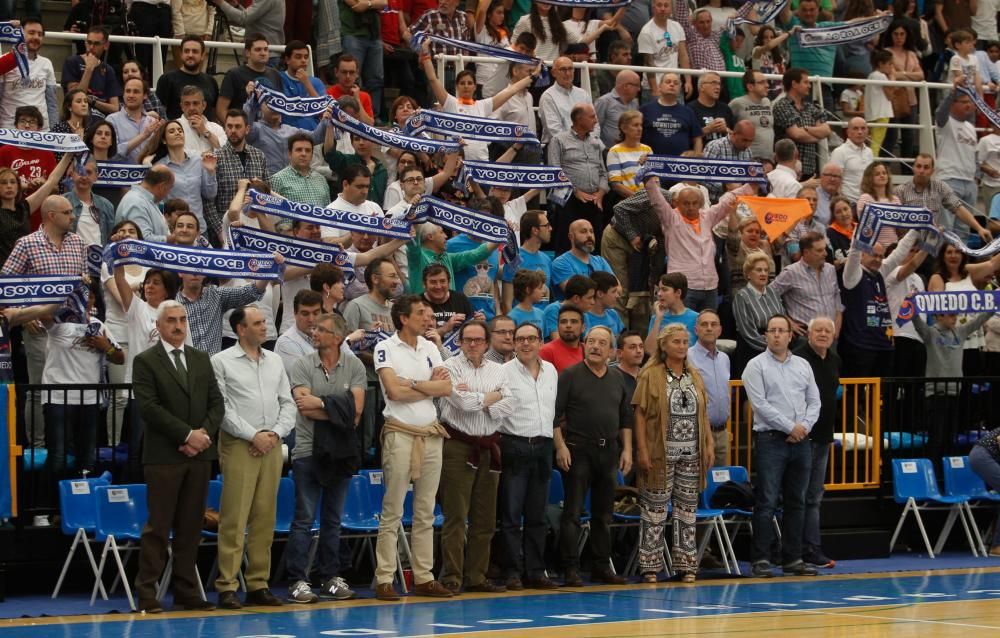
(607, 578)
(544, 582)
(432, 589)
(453, 587)
(385, 591)
(262, 598)
(486, 587)
(514, 584)
(572, 579)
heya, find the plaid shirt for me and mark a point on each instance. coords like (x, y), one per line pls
(808, 294)
(228, 173)
(205, 312)
(723, 148)
(35, 254)
(457, 27)
(635, 217)
(936, 197)
(787, 115)
(308, 189)
(153, 103)
(703, 52)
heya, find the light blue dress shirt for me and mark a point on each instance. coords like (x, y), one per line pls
(714, 368)
(782, 393)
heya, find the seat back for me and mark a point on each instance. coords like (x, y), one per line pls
(121, 510)
(556, 493)
(376, 487)
(214, 495)
(357, 507)
(913, 478)
(719, 475)
(77, 507)
(285, 509)
(960, 480)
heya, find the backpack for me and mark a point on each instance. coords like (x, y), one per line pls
(733, 495)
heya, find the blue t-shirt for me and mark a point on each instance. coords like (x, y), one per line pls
(476, 282)
(535, 317)
(533, 261)
(566, 265)
(294, 88)
(551, 323)
(689, 318)
(668, 130)
(610, 319)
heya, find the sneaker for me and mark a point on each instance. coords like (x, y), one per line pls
(337, 589)
(819, 560)
(762, 569)
(301, 593)
(41, 520)
(799, 568)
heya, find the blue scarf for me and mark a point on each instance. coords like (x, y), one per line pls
(767, 11)
(463, 220)
(15, 36)
(43, 140)
(36, 290)
(451, 342)
(339, 219)
(843, 34)
(986, 251)
(297, 252)
(111, 174)
(597, 4)
(468, 127)
(195, 261)
(370, 340)
(95, 257)
(691, 169)
(981, 104)
(876, 215)
(948, 303)
(285, 105)
(514, 175)
(484, 50)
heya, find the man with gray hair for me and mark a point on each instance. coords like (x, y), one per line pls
(702, 40)
(579, 154)
(200, 135)
(558, 101)
(610, 106)
(140, 205)
(713, 114)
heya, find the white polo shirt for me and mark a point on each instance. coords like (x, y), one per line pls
(409, 363)
(368, 208)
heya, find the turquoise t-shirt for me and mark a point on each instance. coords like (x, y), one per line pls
(689, 318)
(535, 317)
(610, 319)
(815, 60)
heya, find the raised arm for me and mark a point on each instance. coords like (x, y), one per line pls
(51, 182)
(427, 64)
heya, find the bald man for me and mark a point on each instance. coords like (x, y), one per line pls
(580, 156)
(853, 157)
(141, 204)
(610, 106)
(557, 102)
(734, 146)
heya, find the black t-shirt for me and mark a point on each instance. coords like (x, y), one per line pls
(170, 86)
(457, 304)
(14, 224)
(706, 114)
(234, 84)
(593, 407)
(827, 374)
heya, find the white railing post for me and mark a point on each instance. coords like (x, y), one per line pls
(157, 61)
(925, 120)
(585, 78)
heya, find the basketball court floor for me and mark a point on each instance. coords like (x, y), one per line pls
(953, 602)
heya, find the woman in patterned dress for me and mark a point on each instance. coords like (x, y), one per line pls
(674, 448)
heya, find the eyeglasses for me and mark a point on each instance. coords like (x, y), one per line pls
(777, 331)
(545, 225)
(474, 341)
(414, 180)
(712, 82)
(526, 339)
(23, 122)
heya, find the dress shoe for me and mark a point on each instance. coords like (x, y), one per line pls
(514, 584)
(607, 578)
(229, 600)
(194, 604)
(453, 587)
(486, 587)
(150, 606)
(542, 582)
(432, 589)
(263, 598)
(385, 591)
(572, 579)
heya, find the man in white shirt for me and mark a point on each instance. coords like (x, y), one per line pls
(259, 413)
(956, 148)
(526, 450)
(411, 375)
(478, 404)
(662, 43)
(200, 135)
(38, 89)
(297, 341)
(133, 125)
(853, 157)
(520, 109)
(355, 182)
(557, 102)
(784, 178)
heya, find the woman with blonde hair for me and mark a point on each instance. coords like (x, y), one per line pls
(753, 305)
(674, 449)
(625, 157)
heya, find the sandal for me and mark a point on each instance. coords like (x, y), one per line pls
(649, 578)
(688, 577)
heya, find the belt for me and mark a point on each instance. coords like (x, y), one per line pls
(719, 428)
(531, 440)
(586, 439)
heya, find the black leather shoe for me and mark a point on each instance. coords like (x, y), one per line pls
(229, 600)
(150, 606)
(263, 598)
(572, 579)
(607, 578)
(194, 604)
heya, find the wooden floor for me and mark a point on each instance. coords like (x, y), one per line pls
(961, 602)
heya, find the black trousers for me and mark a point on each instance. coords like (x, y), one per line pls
(860, 362)
(595, 469)
(150, 21)
(524, 490)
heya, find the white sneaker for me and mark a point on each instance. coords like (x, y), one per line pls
(300, 592)
(42, 520)
(337, 589)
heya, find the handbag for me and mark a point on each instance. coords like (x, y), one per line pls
(901, 104)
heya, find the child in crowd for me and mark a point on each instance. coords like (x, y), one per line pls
(529, 289)
(878, 98)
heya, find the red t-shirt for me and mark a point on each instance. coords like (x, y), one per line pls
(366, 100)
(560, 355)
(30, 164)
(390, 21)
(419, 8)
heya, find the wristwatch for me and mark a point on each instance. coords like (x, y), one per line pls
(206, 134)
(413, 384)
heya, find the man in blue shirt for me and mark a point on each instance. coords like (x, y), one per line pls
(713, 364)
(578, 260)
(535, 231)
(782, 391)
(668, 127)
(603, 313)
(296, 82)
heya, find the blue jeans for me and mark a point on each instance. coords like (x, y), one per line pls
(699, 300)
(968, 193)
(369, 55)
(65, 424)
(814, 496)
(308, 492)
(782, 474)
(983, 464)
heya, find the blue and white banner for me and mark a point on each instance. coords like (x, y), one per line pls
(692, 169)
(294, 106)
(112, 174)
(228, 264)
(874, 216)
(514, 175)
(95, 259)
(370, 340)
(468, 127)
(305, 253)
(767, 11)
(596, 4)
(843, 34)
(36, 290)
(985, 252)
(948, 303)
(15, 35)
(486, 50)
(43, 140)
(451, 341)
(339, 219)
(352, 125)
(981, 104)
(458, 218)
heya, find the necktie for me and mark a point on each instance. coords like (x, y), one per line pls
(181, 368)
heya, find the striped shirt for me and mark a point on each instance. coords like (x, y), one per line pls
(751, 310)
(623, 164)
(205, 313)
(534, 405)
(808, 294)
(456, 26)
(935, 197)
(634, 217)
(463, 410)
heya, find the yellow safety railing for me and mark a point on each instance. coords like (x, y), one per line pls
(856, 462)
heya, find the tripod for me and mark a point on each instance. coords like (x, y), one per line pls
(221, 32)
